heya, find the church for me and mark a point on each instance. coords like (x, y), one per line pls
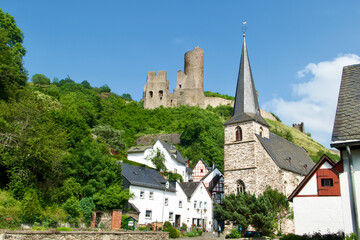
(255, 157)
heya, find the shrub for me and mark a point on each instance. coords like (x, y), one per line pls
(64, 229)
(173, 232)
(123, 222)
(37, 227)
(234, 233)
(167, 225)
(183, 227)
(199, 232)
(192, 233)
(143, 228)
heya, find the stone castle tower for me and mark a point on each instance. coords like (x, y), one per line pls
(253, 156)
(189, 86)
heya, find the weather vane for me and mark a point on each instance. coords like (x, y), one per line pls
(244, 28)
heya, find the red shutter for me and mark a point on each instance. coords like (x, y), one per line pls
(328, 190)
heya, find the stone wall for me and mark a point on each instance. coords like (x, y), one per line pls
(53, 235)
(150, 139)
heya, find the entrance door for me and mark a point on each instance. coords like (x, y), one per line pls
(177, 221)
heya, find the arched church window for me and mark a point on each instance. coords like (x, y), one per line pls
(240, 187)
(261, 131)
(238, 134)
(151, 93)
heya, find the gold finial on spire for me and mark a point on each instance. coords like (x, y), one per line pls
(244, 28)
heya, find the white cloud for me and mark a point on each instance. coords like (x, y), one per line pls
(316, 96)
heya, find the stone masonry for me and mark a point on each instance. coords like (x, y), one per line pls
(54, 235)
(189, 86)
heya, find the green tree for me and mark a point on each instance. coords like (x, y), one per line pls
(158, 159)
(12, 72)
(247, 209)
(31, 143)
(87, 206)
(31, 206)
(72, 208)
(114, 197)
(112, 137)
(279, 205)
(40, 79)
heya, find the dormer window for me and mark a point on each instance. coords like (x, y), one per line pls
(238, 134)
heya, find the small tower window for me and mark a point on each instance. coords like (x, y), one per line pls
(161, 93)
(151, 94)
(261, 132)
(238, 134)
(179, 85)
(240, 187)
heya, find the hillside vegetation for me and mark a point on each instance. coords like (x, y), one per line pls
(314, 149)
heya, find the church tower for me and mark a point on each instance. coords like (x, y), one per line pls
(241, 163)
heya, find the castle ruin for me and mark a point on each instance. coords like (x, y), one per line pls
(189, 86)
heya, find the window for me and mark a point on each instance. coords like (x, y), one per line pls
(200, 204)
(202, 170)
(240, 187)
(238, 134)
(205, 205)
(195, 204)
(179, 85)
(327, 182)
(180, 204)
(161, 93)
(151, 195)
(142, 194)
(151, 93)
(261, 131)
(148, 214)
(171, 216)
(166, 201)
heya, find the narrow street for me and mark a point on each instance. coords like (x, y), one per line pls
(206, 235)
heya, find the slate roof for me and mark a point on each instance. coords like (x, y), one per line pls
(213, 182)
(189, 187)
(136, 149)
(347, 118)
(145, 177)
(287, 155)
(246, 106)
(172, 150)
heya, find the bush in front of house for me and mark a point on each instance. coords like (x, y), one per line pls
(143, 228)
(167, 224)
(173, 232)
(60, 229)
(234, 233)
(315, 236)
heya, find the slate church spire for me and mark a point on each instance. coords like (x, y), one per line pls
(246, 106)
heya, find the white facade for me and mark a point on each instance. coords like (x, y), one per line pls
(345, 193)
(160, 205)
(318, 214)
(314, 211)
(171, 163)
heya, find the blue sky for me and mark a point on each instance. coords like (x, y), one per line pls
(296, 48)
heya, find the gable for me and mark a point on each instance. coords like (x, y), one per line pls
(322, 180)
(199, 171)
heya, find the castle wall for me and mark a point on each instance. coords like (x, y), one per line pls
(156, 91)
(217, 101)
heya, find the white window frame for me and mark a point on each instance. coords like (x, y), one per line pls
(142, 194)
(146, 217)
(200, 204)
(171, 216)
(166, 202)
(205, 205)
(195, 204)
(151, 195)
(180, 204)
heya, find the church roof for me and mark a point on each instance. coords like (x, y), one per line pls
(246, 106)
(287, 155)
(347, 119)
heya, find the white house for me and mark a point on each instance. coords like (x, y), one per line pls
(317, 200)
(346, 138)
(198, 204)
(174, 161)
(159, 200)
